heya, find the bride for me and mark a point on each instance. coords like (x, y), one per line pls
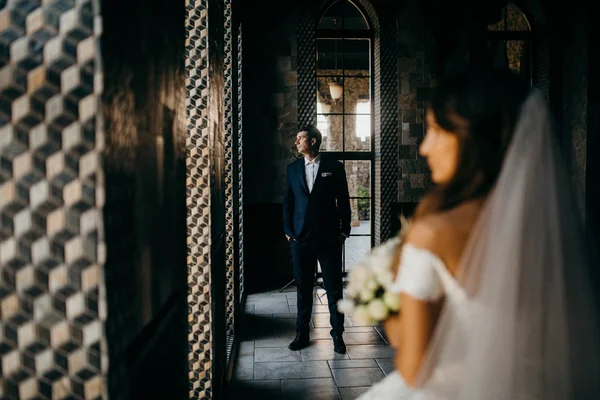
(496, 301)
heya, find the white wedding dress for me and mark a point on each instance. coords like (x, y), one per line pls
(423, 276)
(520, 318)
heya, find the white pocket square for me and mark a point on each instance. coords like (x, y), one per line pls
(326, 174)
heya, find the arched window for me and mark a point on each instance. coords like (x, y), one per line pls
(345, 112)
(509, 41)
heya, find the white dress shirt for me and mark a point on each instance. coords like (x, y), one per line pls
(311, 168)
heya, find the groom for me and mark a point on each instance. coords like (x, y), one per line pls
(316, 222)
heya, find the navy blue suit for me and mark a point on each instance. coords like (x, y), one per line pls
(315, 221)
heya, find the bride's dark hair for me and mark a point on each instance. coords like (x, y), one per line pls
(481, 107)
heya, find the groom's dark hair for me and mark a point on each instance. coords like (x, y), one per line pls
(313, 132)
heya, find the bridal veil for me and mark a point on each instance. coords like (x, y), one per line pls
(529, 326)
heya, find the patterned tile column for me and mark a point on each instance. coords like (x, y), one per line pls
(52, 296)
(229, 173)
(240, 167)
(307, 69)
(198, 200)
(386, 84)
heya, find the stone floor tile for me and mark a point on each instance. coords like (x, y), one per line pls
(370, 351)
(352, 393)
(292, 370)
(386, 364)
(246, 349)
(349, 377)
(267, 369)
(275, 354)
(321, 350)
(244, 368)
(313, 389)
(362, 363)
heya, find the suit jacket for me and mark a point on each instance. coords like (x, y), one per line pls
(325, 210)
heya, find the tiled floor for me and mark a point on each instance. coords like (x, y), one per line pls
(267, 369)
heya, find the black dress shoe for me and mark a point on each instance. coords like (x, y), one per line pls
(338, 345)
(300, 342)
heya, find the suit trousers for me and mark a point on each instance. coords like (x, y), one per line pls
(305, 253)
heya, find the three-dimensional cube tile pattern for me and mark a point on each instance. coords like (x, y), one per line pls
(52, 341)
(388, 108)
(229, 177)
(198, 201)
(377, 125)
(240, 163)
(307, 69)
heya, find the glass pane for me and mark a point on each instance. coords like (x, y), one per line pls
(322, 120)
(353, 18)
(330, 94)
(332, 18)
(358, 174)
(329, 56)
(332, 141)
(517, 54)
(357, 247)
(357, 56)
(511, 19)
(513, 54)
(515, 19)
(356, 91)
(357, 132)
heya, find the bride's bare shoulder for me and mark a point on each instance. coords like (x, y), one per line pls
(426, 232)
(444, 232)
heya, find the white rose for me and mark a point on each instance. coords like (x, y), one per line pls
(383, 275)
(345, 306)
(352, 290)
(372, 284)
(358, 275)
(366, 294)
(378, 251)
(378, 310)
(361, 316)
(392, 300)
(380, 261)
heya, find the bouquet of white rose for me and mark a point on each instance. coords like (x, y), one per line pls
(369, 299)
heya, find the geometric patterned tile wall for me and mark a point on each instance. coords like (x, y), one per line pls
(198, 201)
(52, 309)
(377, 127)
(307, 67)
(229, 172)
(388, 120)
(240, 166)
